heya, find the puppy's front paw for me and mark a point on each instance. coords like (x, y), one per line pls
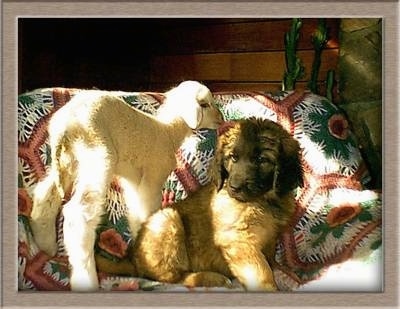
(270, 287)
(255, 277)
(261, 286)
(206, 279)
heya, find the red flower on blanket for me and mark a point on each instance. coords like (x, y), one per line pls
(338, 126)
(24, 203)
(342, 214)
(112, 242)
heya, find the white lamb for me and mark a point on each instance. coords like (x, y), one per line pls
(96, 136)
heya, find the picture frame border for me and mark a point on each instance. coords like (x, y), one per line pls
(12, 10)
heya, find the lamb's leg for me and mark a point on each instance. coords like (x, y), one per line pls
(80, 222)
(82, 214)
(46, 205)
(141, 201)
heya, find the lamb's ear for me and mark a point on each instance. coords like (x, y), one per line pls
(192, 115)
(290, 174)
(180, 101)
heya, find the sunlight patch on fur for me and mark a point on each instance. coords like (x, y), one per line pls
(250, 277)
(132, 199)
(157, 223)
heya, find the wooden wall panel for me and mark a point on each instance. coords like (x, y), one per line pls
(234, 67)
(139, 54)
(230, 35)
(235, 54)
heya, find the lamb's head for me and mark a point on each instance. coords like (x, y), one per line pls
(193, 102)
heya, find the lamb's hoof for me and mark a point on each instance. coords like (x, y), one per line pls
(82, 288)
(84, 283)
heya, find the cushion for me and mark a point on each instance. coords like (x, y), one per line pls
(336, 218)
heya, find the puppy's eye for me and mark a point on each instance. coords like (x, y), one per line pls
(234, 157)
(262, 159)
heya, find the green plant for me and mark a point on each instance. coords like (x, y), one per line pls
(294, 66)
(319, 39)
(330, 81)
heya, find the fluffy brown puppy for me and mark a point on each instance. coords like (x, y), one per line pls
(229, 228)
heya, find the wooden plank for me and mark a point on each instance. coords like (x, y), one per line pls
(216, 86)
(248, 35)
(272, 87)
(259, 66)
(266, 87)
(250, 86)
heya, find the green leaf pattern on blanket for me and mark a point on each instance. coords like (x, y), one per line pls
(145, 103)
(333, 132)
(324, 228)
(56, 271)
(31, 108)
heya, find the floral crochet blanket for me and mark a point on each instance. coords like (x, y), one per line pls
(336, 218)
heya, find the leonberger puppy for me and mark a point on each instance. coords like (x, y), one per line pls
(229, 228)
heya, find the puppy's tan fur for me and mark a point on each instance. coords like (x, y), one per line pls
(229, 228)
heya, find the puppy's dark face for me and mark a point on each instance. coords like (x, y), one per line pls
(256, 156)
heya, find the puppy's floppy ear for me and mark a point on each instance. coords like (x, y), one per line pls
(219, 173)
(290, 174)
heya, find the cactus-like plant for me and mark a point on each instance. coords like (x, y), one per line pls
(319, 39)
(330, 81)
(294, 66)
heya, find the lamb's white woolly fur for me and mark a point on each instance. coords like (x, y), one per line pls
(96, 136)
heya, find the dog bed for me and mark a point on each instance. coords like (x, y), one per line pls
(337, 220)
